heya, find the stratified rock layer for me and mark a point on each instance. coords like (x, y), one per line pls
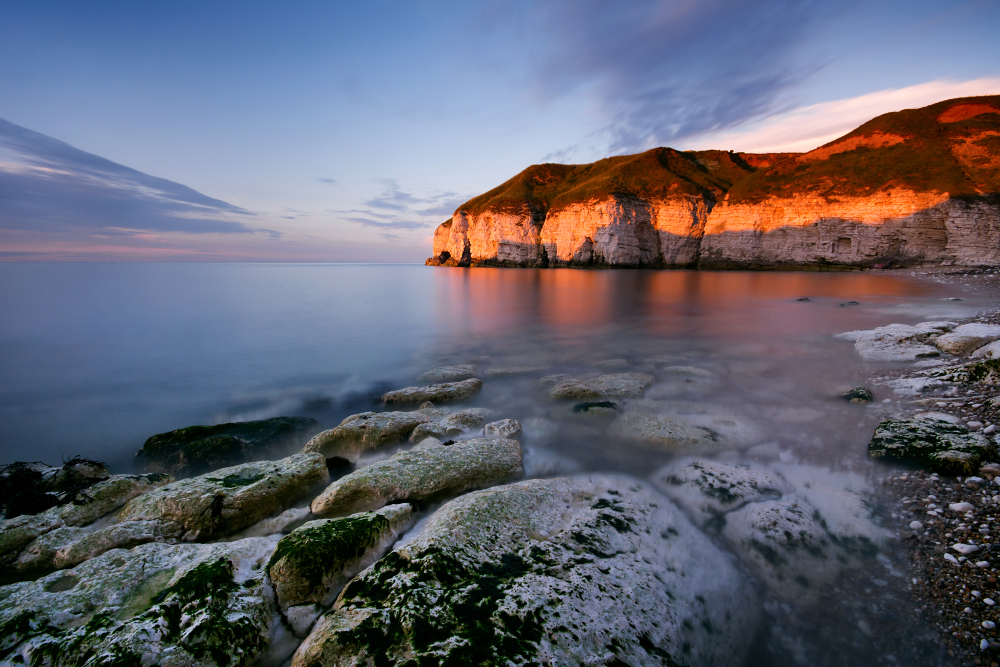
(580, 571)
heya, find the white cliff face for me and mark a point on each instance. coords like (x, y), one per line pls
(898, 226)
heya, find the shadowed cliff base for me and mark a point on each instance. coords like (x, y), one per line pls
(915, 187)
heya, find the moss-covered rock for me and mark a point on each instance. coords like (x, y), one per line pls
(195, 605)
(447, 392)
(227, 501)
(858, 395)
(198, 449)
(615, 385)
(594, 570)
(362, 432)
(936, 445)
(663, 432)
(421, 474)
(314, 561)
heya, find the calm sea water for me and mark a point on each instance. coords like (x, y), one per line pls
(95, 358)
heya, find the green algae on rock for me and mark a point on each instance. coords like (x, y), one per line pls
(195, 605)
(858, 395)
(315, 560)
(438, 393)
(422, 474)
(588, 570)
(936, 445)
(362, 432)
(228, 500)
(198, 449)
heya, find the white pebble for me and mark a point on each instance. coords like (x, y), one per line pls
(984, 644)
(887, 400)
(916, 525)
(967, 610)
(976, 594)
(974, 426)
(989, 625)
(983, 564)
(989, 601)
(951, 559)
(961, 507)
(989, 430)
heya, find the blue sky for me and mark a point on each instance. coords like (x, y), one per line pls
(323, 131)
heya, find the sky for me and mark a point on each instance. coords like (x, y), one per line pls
(346, 132)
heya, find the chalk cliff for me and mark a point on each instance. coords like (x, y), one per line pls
(920, 186)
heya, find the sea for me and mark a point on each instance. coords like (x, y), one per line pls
(97, 357)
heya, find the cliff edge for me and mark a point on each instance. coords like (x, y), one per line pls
(920, 186)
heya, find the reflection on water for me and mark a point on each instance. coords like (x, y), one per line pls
(95, 358)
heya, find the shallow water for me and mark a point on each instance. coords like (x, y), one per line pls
(95, 358)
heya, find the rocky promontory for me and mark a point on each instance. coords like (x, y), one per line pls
(914, 187)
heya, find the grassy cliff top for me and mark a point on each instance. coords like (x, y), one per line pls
(656, 174)
(950, 147)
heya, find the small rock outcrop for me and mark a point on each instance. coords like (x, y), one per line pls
(586, 570)
(615, 385)
(447, 392)
(968, 338)
(227, 501)
(933, 444)
(198, 449)
(421, 474)
(664, 433)
(505, 428)
(31, 488)
(898, 342)
(361, 432)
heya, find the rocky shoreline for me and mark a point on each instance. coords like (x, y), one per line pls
(439, 530)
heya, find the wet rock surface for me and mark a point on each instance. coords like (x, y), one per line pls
(198, 449)
(587, 570)
(228, 500)
(898, 342)
(422, 474)
(368, 430)
(447, 392)
(199, 605)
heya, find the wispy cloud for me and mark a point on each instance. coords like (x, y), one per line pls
(328, 181)
(808, 127)
(47, 185)
(397, 209)
(660, 70)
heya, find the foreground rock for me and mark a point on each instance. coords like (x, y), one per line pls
(615, 385)
(505, 428)
(967, 338)
(198, 449)
(898, 342)
(421, 474)
(231, 499)
(193, 605)
(934, 444)
(579, 571)
(437, 393)
(449, 374)
(796, 527)
(312, 563)
(362, 432)
(21, 545)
